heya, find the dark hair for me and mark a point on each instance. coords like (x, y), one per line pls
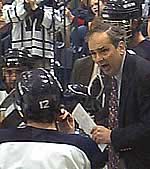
(115, 32)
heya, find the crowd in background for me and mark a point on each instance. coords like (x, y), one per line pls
(69, 43)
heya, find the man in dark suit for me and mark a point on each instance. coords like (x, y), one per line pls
(132, 135)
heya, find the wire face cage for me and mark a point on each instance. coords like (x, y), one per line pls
(122, 13)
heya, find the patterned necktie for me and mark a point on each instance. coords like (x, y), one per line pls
(113, 123)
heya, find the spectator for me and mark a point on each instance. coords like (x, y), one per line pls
(33, 27)
(97, 6)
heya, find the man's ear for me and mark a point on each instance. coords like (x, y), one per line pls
(121, 47)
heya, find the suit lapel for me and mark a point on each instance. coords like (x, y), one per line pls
(126, 84)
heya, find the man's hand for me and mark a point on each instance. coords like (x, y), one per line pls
(65, 122)
(101, 135)
(69, 14)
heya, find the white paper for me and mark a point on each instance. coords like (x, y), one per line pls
(85, 122)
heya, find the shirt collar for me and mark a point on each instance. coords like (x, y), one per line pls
(118, 76)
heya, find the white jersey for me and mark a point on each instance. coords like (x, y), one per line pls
(3, 95)
(33, 31)
(33, 148)
(9, 115)
(32, 155)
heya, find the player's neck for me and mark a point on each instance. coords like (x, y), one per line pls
(42, 125)
(138, 39)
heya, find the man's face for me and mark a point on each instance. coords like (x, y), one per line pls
(10, 75)
(105, 54)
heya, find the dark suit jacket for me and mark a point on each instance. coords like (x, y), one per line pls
(132, 138)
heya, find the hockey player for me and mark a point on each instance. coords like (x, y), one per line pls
(39, 144)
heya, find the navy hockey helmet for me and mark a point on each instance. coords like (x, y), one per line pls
(17, 57)
(38, 95)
